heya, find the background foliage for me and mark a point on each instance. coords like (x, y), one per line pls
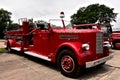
(92, 13)
(5, 20)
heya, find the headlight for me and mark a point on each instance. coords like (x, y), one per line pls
(86, 46)
(107, 44)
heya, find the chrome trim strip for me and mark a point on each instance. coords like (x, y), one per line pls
(98, 61)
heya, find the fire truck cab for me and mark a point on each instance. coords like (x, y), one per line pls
(60, 43)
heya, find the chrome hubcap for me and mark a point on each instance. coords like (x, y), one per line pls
(67, 64)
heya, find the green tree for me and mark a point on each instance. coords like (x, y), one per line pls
(13, 26)
(5, 20)
(92, 13)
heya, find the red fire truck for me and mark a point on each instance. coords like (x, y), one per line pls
(115, 39)
(59, 42)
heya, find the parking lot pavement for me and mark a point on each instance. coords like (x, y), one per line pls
(2, 44)
(14, 66)
(17, 67)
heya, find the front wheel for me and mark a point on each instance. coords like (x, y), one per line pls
(68, 64)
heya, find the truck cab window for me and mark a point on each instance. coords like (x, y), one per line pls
(41, 26)
(57, 23)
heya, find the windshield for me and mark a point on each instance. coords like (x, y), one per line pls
(86, 26)
(106, 31)
(57, 23)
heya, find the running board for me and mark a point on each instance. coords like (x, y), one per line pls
(16, 48)
(37, 55)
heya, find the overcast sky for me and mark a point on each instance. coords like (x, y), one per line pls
(48, 9)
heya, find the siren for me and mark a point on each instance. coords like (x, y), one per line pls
(62, 15)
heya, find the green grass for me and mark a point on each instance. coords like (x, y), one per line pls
(3, 50)
(2, 40)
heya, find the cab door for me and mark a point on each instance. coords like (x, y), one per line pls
(41, 42)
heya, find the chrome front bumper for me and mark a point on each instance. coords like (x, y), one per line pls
(98, 61)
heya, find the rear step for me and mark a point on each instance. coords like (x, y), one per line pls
(16, 48)
(37, 55)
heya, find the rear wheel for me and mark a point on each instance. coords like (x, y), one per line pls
(68, 64)
(9, 47)
(116, 45)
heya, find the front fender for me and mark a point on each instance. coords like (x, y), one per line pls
(76, 47)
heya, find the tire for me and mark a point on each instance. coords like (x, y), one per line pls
(67, 64)
(115, 45)
(8, 47)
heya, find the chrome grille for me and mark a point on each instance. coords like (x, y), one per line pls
(99, 43)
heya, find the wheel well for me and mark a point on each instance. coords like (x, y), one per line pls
(11, 42)
(63, 48)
